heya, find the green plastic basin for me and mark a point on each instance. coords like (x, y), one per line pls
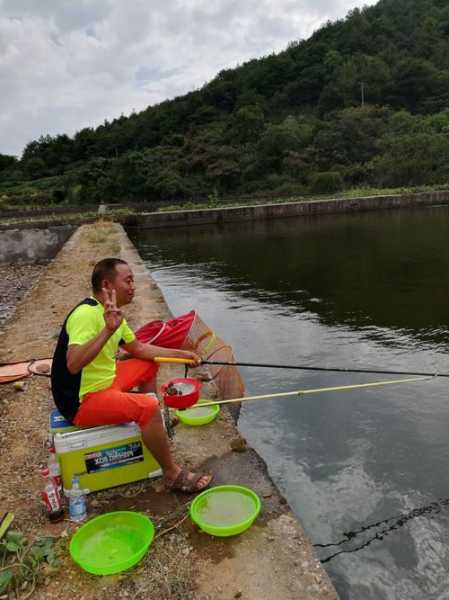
(112, 542)
(198, 416)
(225, 510)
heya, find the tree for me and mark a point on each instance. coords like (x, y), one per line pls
(344, 88)
(326, 183)
(352, 136)
(35, 167)
(415, 80)
(278, 140)
(166, 184)
(246, 125)
(222, 91)
(412, 159)
(8, 162)
(224, 173)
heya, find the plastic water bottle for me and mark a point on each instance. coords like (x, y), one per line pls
(77, 501)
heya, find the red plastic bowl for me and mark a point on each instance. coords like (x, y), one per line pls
(190, 389)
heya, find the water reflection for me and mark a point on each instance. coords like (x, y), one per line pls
(381, 269)
(349, 290)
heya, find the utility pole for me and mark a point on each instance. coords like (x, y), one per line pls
(362, 89)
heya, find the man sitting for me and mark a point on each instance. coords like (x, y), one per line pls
(90, 387)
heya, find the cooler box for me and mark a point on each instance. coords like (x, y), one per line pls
(104, 456)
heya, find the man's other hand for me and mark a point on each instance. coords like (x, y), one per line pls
(113, 316)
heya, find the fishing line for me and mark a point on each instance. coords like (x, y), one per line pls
(398, 521)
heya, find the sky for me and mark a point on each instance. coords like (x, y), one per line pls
(70, 64)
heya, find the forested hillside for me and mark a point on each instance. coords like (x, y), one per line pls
(364, 101)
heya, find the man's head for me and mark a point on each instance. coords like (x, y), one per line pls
(113, 274)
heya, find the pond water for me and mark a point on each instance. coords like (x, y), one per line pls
(364, 290)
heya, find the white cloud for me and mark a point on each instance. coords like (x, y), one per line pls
(66, 65)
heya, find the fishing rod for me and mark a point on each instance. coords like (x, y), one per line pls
(189, 362)
(338, 388)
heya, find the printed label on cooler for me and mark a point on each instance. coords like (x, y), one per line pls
(113, 457)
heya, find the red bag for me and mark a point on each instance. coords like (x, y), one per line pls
(168, 334)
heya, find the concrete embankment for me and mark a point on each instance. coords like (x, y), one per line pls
(272, 560)
(178, 218)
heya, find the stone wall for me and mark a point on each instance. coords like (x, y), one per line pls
(179, 218)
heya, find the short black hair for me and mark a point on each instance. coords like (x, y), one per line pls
(105, 269)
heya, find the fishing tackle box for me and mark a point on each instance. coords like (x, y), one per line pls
(104, 456)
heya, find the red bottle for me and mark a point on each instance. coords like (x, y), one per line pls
(52, 498)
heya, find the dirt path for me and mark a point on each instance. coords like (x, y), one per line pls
(273, 560)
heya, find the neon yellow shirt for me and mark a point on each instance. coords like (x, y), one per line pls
(85, 323)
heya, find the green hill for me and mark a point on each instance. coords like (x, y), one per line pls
(364, 101)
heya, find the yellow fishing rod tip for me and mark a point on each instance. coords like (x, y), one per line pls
(173, 360)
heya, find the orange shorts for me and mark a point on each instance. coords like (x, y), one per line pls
(116, 404)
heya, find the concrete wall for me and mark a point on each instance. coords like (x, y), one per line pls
(32, 244)
(279, 211)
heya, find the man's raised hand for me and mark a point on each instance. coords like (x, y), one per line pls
(113, 316)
